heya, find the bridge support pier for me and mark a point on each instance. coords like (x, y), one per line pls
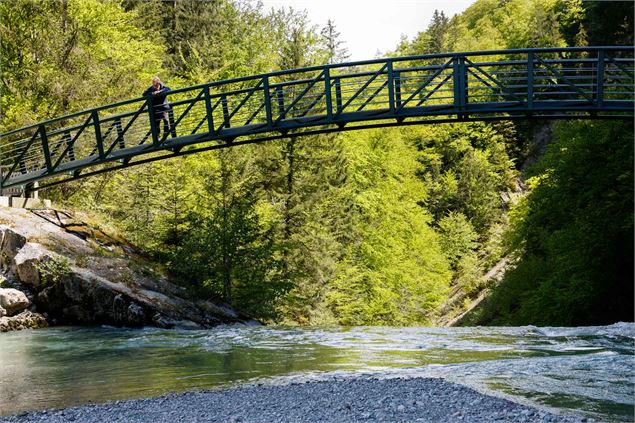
(27, 197)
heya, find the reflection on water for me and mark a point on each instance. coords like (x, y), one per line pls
(585, 370)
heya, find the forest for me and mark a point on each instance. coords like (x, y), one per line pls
(394, 226)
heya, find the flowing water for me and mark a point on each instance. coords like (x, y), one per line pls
(586, 371)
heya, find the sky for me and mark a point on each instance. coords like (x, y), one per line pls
(369, 26)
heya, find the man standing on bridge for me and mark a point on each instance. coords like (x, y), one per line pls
(160, 106)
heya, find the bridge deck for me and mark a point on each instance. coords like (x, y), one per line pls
(594, 82)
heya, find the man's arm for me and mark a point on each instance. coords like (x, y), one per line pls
(164, 90)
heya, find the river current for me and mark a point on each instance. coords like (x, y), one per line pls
(585, 370)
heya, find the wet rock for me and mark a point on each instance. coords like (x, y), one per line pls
(167, 323)
(25, 320)
(13, 301)
(136, 315)
(161, 321)
(218, 310)
(187, 325)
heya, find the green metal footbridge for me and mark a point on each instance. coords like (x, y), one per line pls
(553, 83)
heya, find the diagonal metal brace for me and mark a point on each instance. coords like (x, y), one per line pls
(500, 86)
(432, 91)
(372, 96)
(71, 143)
(128, 125)
(354, 96)
(560, 76)
(242, 103)
(622, 68)
(185, 112)
(438, 72)
(298, 98)
(20, 157)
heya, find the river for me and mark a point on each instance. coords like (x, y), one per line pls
(585, 370)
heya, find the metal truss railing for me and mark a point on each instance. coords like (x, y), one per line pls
(555, 83)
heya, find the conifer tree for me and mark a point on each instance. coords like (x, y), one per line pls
(336, 52)
(436, 32)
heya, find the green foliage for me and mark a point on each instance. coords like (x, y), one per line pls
(394, 271)
(53, 270)
(465, 167)
(458, 237)
(227, 252)
(62, 56)
(609, 23)
(300, 42)
(496, 24)
(314, 222)
(366, 227)
(571, 15)
(573, 233)
(433, 39)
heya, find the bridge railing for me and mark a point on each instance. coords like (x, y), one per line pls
(579, 82)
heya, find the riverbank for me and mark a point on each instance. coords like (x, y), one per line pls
(59, 268)
(339, 400)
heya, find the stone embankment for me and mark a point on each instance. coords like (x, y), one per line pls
(58, 270)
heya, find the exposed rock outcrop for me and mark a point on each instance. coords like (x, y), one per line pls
(74, 279)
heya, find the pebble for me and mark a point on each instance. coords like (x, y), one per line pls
(347, 400)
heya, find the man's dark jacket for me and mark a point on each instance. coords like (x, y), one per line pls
(159, 101)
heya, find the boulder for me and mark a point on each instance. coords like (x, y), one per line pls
(217, 310)
(165, 322)
(25, 320)
(13, 301)
(3, 312)
(26, 263)
(136, 315)
(85, 298)
(12, 242)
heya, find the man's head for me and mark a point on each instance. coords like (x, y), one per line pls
(156, 82)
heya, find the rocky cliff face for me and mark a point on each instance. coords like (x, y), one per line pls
(69, 273)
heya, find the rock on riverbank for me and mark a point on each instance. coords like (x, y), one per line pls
(13, 313)
(24, 320)
(347, 400)
(75, 274)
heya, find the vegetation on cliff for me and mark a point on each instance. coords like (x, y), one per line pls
(368, 227)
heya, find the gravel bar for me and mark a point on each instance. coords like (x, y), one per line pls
(339, 400)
